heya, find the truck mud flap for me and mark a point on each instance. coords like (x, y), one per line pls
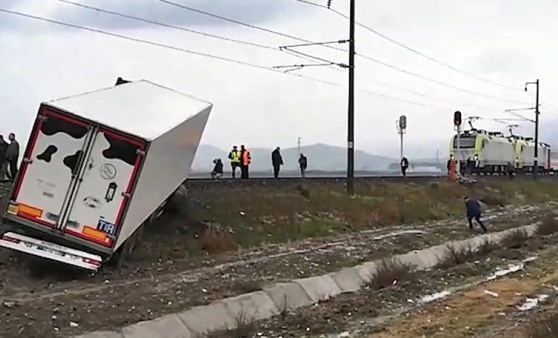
(50, 251)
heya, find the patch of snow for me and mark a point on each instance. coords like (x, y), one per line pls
(531, 303)
(510, 269)
(435, 296)
(398, 233)
(530, 259)
(493, 294)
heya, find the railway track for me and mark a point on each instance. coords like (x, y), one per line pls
(259, 180)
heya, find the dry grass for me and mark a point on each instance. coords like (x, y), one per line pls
(514, 239)
(545, 328)
(245, 328)
(279, 213)
(456, 256)
(548, 226)
(486, 247)
(215, 241)
(389, 272)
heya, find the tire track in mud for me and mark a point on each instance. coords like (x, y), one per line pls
(261, 255)
(151, 295)
(344, 242)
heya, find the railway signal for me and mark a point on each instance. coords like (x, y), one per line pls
(457, 123)
(401, 125)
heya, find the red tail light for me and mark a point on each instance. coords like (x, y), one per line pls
(92, 262)
(11, 239)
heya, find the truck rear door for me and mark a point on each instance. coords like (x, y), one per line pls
(49, 168)
(105, 182)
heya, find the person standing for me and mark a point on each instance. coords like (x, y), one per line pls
(3, 159)
(473, 212)
(404, 166)
(245, 160)
(12, 155)
(276, 161)
(303, 163)
(234, 158)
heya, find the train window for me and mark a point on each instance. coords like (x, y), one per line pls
(466, 142)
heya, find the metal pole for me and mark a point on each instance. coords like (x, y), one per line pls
(351, 110)
(458, 157)
(298, 146)
(536, 157)
(401, 146)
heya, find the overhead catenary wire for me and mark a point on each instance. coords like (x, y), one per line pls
(285, 49)
(366, 57)
(207, 55)
(411, 49)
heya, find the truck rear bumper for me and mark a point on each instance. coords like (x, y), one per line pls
(35, 247)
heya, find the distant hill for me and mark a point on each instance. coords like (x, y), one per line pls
(320, 157)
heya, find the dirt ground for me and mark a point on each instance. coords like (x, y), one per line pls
(48, 300)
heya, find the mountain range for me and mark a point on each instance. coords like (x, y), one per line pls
(320, 157)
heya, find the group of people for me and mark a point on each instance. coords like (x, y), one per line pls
(242, 159)
(9, 157)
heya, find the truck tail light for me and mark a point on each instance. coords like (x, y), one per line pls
(11, 239)
(92, 262)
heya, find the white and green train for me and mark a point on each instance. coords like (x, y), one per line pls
(492, 152)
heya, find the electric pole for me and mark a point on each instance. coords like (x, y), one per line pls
(298, 146)
(536, 156)
(351, 110)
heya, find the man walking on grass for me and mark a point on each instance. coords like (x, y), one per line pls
(474, 212)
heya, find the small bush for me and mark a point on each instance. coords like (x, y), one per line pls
(245, 328)
(388, 271)
(548, 226)
(303, 191)
(215, 241)
(486, 247)
(388, 213)
(456, 256)
(545, 328)
(515, 239)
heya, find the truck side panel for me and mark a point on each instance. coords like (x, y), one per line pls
(176, 149)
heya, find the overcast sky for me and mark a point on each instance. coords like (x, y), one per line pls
(507, 41)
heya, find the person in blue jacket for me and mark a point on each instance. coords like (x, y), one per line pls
(474, 212)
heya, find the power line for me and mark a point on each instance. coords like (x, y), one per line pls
(382, 63)
(411, 49)
(215, 57)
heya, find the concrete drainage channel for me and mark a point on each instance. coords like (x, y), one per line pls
(224, 314)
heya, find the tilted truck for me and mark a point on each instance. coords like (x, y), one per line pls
(97, 167)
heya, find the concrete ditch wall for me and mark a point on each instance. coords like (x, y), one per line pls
(224, 314)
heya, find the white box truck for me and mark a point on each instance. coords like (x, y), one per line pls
(97, 167)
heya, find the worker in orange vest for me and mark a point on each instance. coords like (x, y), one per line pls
(451, 169)
(245, 160)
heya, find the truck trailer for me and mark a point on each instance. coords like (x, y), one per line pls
(98, 167)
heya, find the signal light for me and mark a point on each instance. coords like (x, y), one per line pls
(328, 4)
(457, 118)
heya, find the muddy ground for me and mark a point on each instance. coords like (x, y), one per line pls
(40, 299)
(477, 305)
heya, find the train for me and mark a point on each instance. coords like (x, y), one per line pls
(493, 152)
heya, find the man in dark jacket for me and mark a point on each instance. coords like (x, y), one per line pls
(474, 212)
(12, 154)
(217, 169)
(303, 163)
(3, 159)
(276, 161)
(404, 166)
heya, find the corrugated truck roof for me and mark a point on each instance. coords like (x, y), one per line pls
(141, 108)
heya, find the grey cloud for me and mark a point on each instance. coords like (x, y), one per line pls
(250, 11)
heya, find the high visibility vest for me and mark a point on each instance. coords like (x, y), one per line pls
(246, 157)
(234, 157)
